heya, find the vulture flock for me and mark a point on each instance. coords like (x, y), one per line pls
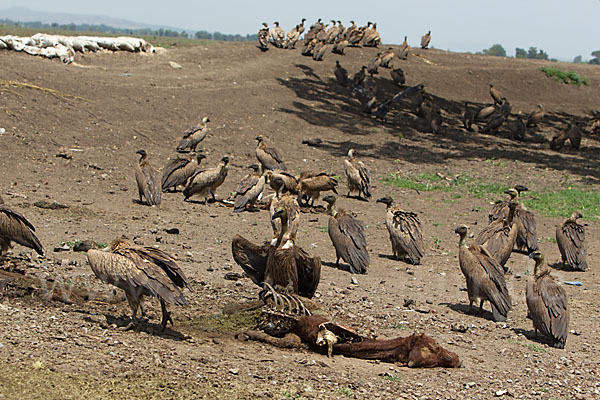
(280, 263)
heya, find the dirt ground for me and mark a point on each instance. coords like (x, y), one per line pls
(107, 106)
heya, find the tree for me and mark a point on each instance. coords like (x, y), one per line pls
(578, 59)
(520, 53)
(495, 50)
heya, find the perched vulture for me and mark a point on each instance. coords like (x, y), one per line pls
(312, 187)
(374, 64)
(536, 116)
(371, 37)
(468, 117)
(277, 35)
(386, 57)
(500, 236)
(249, 190)
(148, 181)
(547, 303)
(485, 112)
(398, 76)
(178, 171)
(358, 175)
(356, 35)
(206, 181)
(319, 51)
(526, 227)
(14, 227)
(484, 276)
(496, 95)
(405, 232)
(350, 29)
(403, 51)
(193, 137)
(425, 39)
(269, 157)
(140, 271)
(263, 37)
(570, 238)
(341, 75)
(517, 127)
(340, 44)
(348, 237)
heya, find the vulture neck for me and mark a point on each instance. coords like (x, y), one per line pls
(462, 241)
(142, 158)
(508, 220)
(539, 267)
(283, 233)
(331, 210)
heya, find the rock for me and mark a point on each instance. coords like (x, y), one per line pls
(234, 371)
(354, 281)
(409, 302)
(55, 205)
(172, 231)
(501, 393)
(233, 276)
(64, 152)
(174, 65)
(85, 245)
(459, 328)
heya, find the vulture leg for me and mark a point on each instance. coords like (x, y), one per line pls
(337, 262)
(134, 303)
(481, 306)
(471, 306)
(166, 316)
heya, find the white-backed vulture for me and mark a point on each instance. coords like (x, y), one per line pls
(249, 190)
(355, 37)
(405, 232)
(341, 75)
(289, 181)
(386, 57)
(192, 137)
(14, 227)
(517, 127)
(425, 40)
(526, 227)
(571, 132)
(269, 157)
(294, 35)
(312, 187)
(570, 238)
(292, 209)
(536, 116)
(485, 112)
(496, 94)
(494, 123)
(277, 35)
(484, 276)
(403, 51)
(263, 37)
(547, 303)
(178, 171)
(374, 64)
(332, 33)
(499, 237)
(350, 30)
(348, 237)
(340, 44)
(319, 51)
(140, 271)
(148, 181)
(358, 176)
(398, 76)
(206, 181)
(371, 37)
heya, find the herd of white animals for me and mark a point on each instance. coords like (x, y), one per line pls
(65, 47)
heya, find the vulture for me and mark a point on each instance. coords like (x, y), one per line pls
(340, 44)
(360, 76)
(348, 237)
(319, 51)
(405, 232)
(485, 112)
(425, 39)
(14, 227)
(350, 30)
(359, 176)
(332, 33)
(500, 236)
(341, 75)
(484, 276)
(294, 34)
(496, 95)
(374, 64)
(573, 133)
(371, 37)
(288, 181)
(403, 51)
(148, 181)
(269, 157)
(356, 35)
(277, 35)
(263, 37)
(570, 238)
(536, 116)
(206, 181)
(505, 107)
(526, 228)
(193, 137)
(249, 190)
(494, 123)
(386, 57)
(178, 171)
(140, 271)
(468, 117)
(288, 268)
(292, 209)
(517, 127)
(308, 48)
(313, 186)
(547, 303)
(398, 76)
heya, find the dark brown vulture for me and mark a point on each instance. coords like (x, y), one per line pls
(526, 227)
(425, 40)
(536, 116)
(405, 232)
(263, 37)
(269, 157)
(14, 227)
(341, 75)
(547, 303)
(484, 276)
(140, 271)
(148, 181)
(178, 171)
(468, 117)
(570, 238)
(348, 237)
(249, 190)
(500, 236)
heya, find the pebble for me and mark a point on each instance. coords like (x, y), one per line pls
(501, 393)
(234, 371)
(174, 65)
(354, 281)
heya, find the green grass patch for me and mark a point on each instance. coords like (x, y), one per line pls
(324, 229)
(563, 202)
(393, 378)
(345, 391)
(532, 346)
(569, 77)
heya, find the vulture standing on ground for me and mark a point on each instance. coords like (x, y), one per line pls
(277, 35)
(403, 51)
(372, 37)
(340, 44)
(341, 75)
(312, 187)
(468, 117)
(374, 64)
(517, 127)
(570, 238)
(405, 232)
(193, 137)
(148, 181)
(360, 76)
(356, 35)
(398, 76)
(536, 116)
(292, 208)
(140, 271)
(290, 182)
(572, 132)
(484, 276)
(425, 39)
(207, 181)
(14, 227)
(386, 57)
(547, 303)
(526, 228)
(294, 34)
(178, 171)
(249, 190)
(496, 95)
(359, 176)
(348, 237)
(500, 236)
(269, 157)
(485, 112)
(263, 37)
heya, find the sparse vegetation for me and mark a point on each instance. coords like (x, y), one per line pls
(495, 50)
(563, 202)
(346, 391)
(393, 378)
(570, 77)
(532, 346)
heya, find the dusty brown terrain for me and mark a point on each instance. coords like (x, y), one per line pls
(110, 105)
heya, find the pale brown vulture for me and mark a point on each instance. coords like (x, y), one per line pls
(269, 157)
(14, 227)
(193, 136)
(358, 176)
(406, 233)
(148, 181)
(312, 187)
(500, 236)
(425, 40)
(206, 181)
(249, 190)
(526, 226)
(178, 171)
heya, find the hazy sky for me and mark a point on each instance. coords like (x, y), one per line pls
(563, 29)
